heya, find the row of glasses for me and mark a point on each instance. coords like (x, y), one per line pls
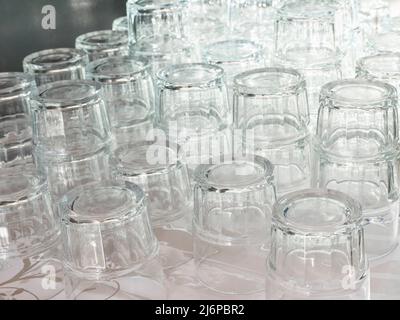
(28, 225)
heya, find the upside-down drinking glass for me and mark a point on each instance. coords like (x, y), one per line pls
(317, 248)
(71, 134)
(15, 119)
(29, 231)
(103, 44)
(56, 64)
(157, 168)
(357, 153)
(232, 214)
(193, 110)
(383, 67)
(110, 251)
(148, 18)
(128, 92)
(271, 116)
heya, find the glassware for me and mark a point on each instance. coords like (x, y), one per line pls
(317, 248)
(232, 211)
(71, 134)
(110, 251)
(103, 44)
(128, 92)
(15, 120)
(120, 24)
(56, 64)
(357, 153)
(193, 110)
(311, 37)
(234, 56)
(271, 116)
(149, 18)
(162, 51)
(69, 119)
(29, 231)
(157, 168)
(383, 67)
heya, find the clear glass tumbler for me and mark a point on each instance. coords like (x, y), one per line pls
(357, 153)
(29, 232)
(317, 248)
(270, 119)
(384, 67)
(69, 119)
(232, 214)
(103, 44)
(15, 119)
(128, 92)
(56, 64)
(110, 251)
(147, 18)
(193, 110)
(157, 168)
(383, 42)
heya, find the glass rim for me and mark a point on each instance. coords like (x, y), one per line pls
(219, 49)
(388, 92)
(31, 64)
(70, 102)
(20, 83)
(377, 73)
(215, 78)
(352, 213)
(94, 71)
(127, 171)
(37, 186)
(284, 12)
(69, 217)
(240, 86)
(114, 40)
(148, 7)
(265, 179)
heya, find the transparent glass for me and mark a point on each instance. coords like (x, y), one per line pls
(271, 115)
(69, 119)
(234, 56)
(315, 26)
(103, 44)
(149, 18)
(162, 51)
(373, 15)
(384, 67)
(357, 142)
(128, 92)
(15, 119)
(157, 168)
(110, 251)
(120, 24)
(310, 37)
(56, 64)
(193, 109)
(232, 213)
(358, 119)
(317, 248)
(29, 231)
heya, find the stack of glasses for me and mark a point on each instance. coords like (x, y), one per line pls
(192, 135)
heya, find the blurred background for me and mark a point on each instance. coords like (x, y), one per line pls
(21, 29)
